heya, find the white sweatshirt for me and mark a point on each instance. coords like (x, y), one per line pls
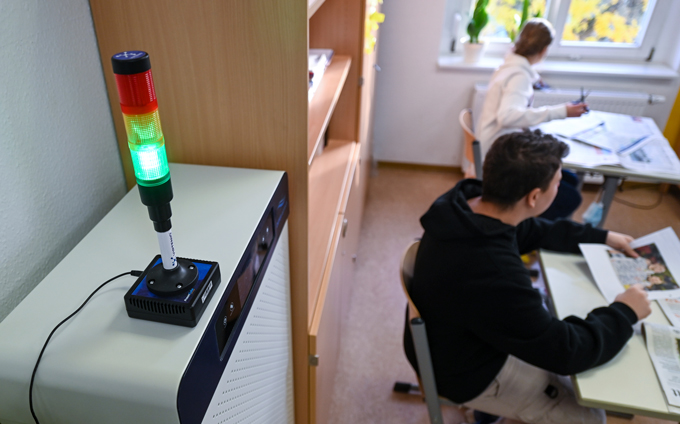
(507, 107)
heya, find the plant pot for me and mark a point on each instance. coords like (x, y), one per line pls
(472, 52)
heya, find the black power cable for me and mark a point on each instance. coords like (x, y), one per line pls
(638, 206)
(35, 369)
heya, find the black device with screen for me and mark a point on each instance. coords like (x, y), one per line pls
(248, 276)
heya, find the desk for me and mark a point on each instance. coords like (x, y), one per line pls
(628, 382)
(612, 178)
(613, 174)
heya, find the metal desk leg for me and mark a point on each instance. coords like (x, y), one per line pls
(581, 177)
(610, 184)
(579, 187)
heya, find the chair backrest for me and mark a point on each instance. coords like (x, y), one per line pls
(408, 260)
(426, 379)
(465, 119)
(473, 152)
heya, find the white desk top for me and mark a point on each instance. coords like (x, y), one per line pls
(619, 171)
(628, 382)
(575, 162)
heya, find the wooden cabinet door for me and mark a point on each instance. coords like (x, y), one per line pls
(351, 227)
(324, 338)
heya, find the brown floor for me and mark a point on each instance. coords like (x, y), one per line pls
(371, 355)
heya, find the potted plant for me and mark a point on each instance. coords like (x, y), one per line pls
(519, 22)
(473, 48)
(513, 31)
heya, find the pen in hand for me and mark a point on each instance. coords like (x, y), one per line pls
(581, 101)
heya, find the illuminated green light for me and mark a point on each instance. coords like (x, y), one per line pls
(151, 165)
(147, 147)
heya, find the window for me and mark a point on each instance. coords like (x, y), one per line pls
(585, 29)
(505, 17)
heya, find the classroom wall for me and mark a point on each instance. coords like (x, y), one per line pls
(60, 170)
(417, 104)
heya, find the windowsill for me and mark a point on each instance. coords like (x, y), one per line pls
(568, 67)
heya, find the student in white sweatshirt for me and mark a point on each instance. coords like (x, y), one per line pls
(507, 107)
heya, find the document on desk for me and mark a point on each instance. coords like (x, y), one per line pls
(657, 268)
(671, 308)
(585, 155)
(663, 346)
(569, 127)
(654, 155)
(611, 131)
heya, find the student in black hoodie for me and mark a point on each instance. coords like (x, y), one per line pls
(494, 347)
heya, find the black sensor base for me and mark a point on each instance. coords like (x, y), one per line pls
(184, 308)
(164, 282)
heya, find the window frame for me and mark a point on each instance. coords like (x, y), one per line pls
(557, 14)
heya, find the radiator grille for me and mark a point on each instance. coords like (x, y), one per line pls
(628, 103)
(607, 101)
(257, 384)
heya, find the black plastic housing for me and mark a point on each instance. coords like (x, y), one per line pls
(185, 309)
(135, 63)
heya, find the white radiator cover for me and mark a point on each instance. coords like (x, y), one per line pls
(628, 103)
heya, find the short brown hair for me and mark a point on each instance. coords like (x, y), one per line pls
(536, 35)
(518, 163)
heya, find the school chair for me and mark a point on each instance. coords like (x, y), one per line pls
(473, 151)
(426, 381)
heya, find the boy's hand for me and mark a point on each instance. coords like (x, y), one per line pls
(621, 242)
(636, 299)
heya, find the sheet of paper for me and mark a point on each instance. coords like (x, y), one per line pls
(583, 154)
(657, 268)
(601, 137)
(656, 155)
(663, 346)
(635, 127)
(671, 308)
(570, 126)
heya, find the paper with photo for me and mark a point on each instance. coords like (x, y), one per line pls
(657, 268)
(656, 155)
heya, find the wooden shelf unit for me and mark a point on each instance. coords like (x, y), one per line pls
(326, 97)
(232, 85)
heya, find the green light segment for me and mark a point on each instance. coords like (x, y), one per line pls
(147, 148)
(151, 165)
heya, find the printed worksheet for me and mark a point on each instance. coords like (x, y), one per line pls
(663, 346)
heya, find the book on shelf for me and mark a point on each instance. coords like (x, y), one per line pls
(318, 62)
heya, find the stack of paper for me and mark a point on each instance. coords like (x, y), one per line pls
(318, 62)
(603, 138)
(662, 345)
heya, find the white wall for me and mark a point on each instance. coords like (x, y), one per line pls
(60, 170)
(417, 104)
